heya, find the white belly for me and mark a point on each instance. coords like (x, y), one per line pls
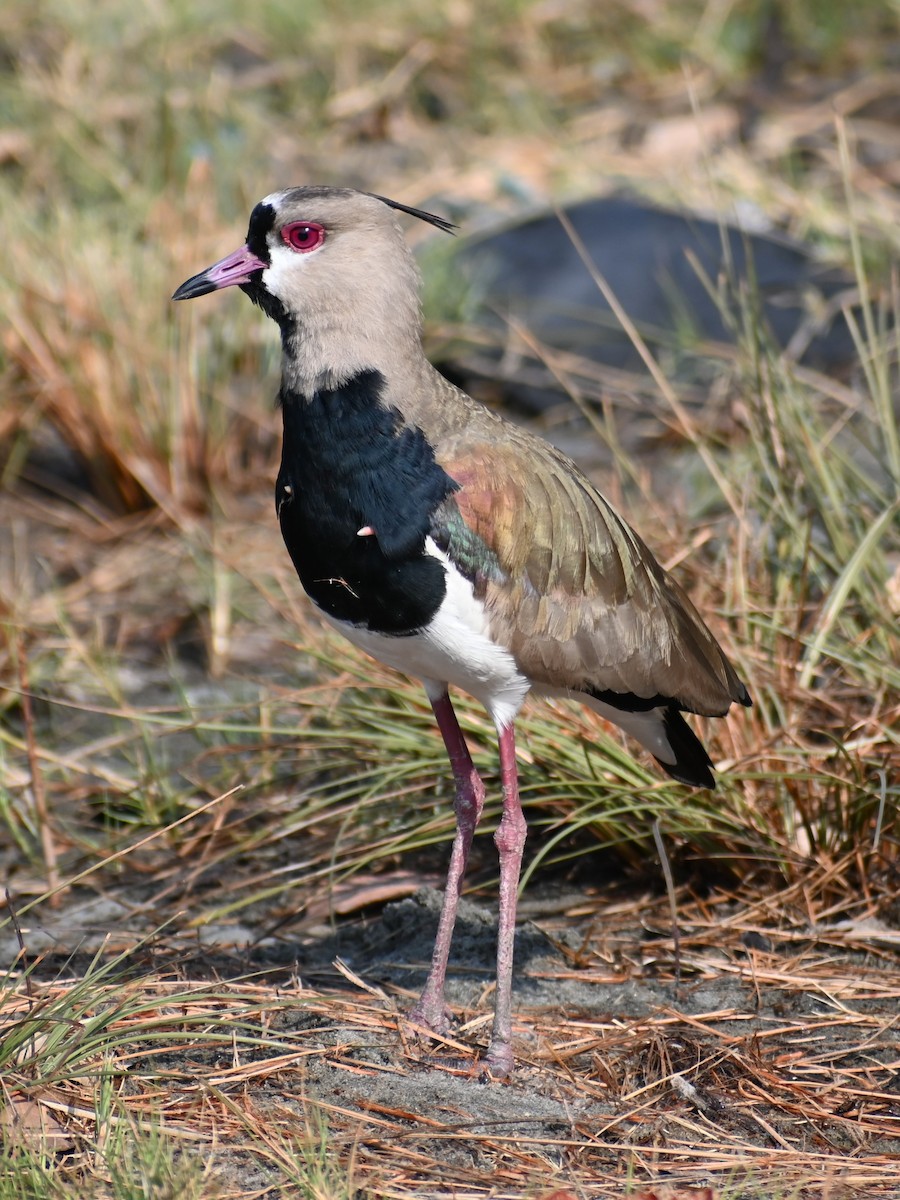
(455, 649)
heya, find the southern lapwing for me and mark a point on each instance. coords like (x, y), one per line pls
(449, 544)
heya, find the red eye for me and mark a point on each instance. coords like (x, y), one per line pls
(303, 236)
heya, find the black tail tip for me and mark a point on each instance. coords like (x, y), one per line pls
(692, 764)
(699, 778)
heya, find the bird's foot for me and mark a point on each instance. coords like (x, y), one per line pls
(430, 1013)
(499, 1062)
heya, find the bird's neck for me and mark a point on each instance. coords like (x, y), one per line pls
(325, 348)
(312, 367)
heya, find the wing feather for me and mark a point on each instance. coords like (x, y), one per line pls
(569, 587)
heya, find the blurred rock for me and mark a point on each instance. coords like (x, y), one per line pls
(685, 281)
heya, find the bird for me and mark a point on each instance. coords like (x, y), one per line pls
(452, 545)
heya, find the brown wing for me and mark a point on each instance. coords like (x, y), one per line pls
(569, 587)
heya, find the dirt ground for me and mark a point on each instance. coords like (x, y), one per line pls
(774, 1062)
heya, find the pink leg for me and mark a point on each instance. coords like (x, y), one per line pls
(430, 1009)
(510, 842)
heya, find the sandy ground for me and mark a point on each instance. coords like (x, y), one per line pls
(777, 1055)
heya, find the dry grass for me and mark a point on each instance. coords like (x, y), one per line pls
(795, 1083)
(156, 654)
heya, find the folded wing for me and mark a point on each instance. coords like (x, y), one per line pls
(569, 587)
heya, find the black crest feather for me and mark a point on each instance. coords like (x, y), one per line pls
(432, 218)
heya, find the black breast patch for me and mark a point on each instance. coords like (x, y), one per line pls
(349, 465)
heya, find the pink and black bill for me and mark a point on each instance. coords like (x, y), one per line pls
(241, 267)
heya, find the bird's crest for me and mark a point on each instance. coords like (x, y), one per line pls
(432, 218)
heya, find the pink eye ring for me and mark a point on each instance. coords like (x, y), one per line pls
(303, 236)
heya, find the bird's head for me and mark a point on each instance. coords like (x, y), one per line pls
(332, 267)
